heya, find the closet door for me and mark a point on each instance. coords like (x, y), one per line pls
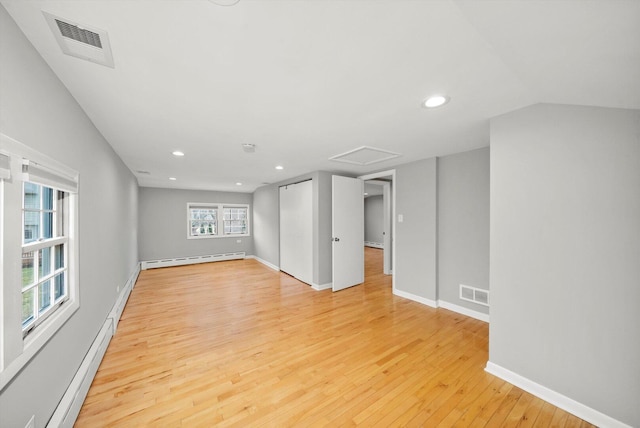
(296, 230)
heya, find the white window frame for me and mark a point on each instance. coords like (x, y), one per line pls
(16, 348)
(219, 208)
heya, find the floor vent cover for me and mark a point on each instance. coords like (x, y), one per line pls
(475, 295)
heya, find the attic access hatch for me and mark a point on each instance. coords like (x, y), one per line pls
(81, 41)
(364, 156)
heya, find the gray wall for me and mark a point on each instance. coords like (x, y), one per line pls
(163, 224)
(37, 110)
(565, 252)
(266, 231)
(373, 219)
(267, 238)
(416, 237)
(463, 225)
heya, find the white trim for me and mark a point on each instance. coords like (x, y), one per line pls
(320, 287)
(373, 244)
(264, 262)
(562, 401)
(464, 311)
(68, 409)
(181, 261)
(415, 298)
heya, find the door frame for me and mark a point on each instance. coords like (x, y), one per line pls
(392, 174)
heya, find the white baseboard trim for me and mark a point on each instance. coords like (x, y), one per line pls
(415, 298)
(69, 406)
(320, 287)
(373, 244)
(264, 262)
(565, 403)
(68, 409)
(125, 291)
(181, 261)
(464, 311)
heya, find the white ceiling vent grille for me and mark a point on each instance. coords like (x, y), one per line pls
(81, 41)
(364, 156)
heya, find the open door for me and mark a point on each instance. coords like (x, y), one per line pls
(348, 232)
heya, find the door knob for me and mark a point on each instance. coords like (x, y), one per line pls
(335, 239)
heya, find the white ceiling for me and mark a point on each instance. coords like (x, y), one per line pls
(307, 80)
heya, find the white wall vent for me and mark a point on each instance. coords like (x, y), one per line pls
(475, 295)
(81, 41)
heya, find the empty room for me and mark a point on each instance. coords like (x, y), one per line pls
(319, 213)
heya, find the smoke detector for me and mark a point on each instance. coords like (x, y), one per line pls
(81, 41)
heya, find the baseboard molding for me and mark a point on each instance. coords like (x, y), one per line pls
(373, 244)
(181, 261)
(118, 308)
(415, 298)
(565, 403)
(69, 406)
(320, 287)
(464, 311)
(264, 262)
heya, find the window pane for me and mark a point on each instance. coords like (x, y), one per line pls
(44, 262)
(28, 302)
(47, 226)
(47, 198)
(31, 226)
(27, 268)
(44, 293)
(31, 196)
(59, 256)
(59, 286)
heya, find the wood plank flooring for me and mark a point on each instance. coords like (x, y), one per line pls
(238, 344)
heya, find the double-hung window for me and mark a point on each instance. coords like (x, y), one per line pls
(217, 220)
(38, 244)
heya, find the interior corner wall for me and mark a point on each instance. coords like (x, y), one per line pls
(373, 219)
(416, 236)
(565, 251)
(37, 110)
(463, 225)
(266, 231)
(165, 210)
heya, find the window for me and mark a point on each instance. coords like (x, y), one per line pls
(44, 261)
(215, 220)
(38, 242)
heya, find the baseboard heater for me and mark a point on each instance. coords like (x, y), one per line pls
(373, 244)
(179, 261)
(69, 407)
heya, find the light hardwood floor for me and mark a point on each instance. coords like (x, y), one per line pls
(237, 344)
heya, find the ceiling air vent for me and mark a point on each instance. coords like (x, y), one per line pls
(364, 156)
(81, 41)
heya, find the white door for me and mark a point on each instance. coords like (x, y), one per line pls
(348, 232)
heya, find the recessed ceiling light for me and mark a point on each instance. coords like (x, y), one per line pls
(238, 184)
(435, 101)
(279, 167)
(366, 194)
(177, 153)
(249, 148)
(172, 178)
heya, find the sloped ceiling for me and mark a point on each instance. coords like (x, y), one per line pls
(307, 80)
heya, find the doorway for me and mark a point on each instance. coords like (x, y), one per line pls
(383, 183)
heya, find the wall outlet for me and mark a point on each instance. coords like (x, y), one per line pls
(238, 241)
(118, 289)
(400, 218)
(31, 423)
